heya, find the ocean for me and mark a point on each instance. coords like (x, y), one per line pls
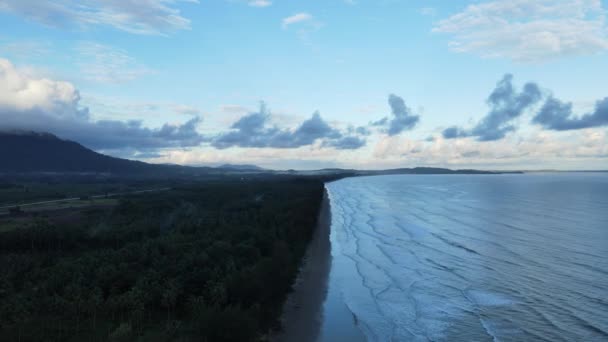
(515, 257)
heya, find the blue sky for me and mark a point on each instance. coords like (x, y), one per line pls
(192, 75)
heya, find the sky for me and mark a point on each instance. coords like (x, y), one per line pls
(294, 84)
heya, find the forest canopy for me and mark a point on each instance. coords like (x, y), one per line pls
(204, 261)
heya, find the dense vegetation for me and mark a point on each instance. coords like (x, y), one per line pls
(208, 261)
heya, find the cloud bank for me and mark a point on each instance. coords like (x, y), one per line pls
(255, 130)
(586, 149)
(28, 102)
(506, 105)
(39, 104)
(557, 115)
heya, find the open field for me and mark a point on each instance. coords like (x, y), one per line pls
(59, 211)
(22, 191)
(56, 211)
(70, 203)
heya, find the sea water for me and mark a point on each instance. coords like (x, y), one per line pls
(471, 257)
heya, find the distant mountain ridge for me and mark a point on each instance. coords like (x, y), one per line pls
(399, 171)
(40, 152)
(241, 167)
(22, 151)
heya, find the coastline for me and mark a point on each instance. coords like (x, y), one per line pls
(314, 310)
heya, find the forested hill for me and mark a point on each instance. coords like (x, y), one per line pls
(44, 152)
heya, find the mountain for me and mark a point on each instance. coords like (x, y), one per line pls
(33, 152)
(24, 152)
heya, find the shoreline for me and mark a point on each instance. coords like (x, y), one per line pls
(302, 312)
(314, 310)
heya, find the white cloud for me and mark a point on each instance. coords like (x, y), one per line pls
(29, 102)
(19, 91)
(536, 150)
(260, 3)
(305, 24)
(107, 64)
(134, 16)
(296, 18)
(528, 30)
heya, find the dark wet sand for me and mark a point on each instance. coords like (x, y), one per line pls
(314, 311)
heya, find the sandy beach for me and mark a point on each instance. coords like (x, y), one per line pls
(314, 311)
